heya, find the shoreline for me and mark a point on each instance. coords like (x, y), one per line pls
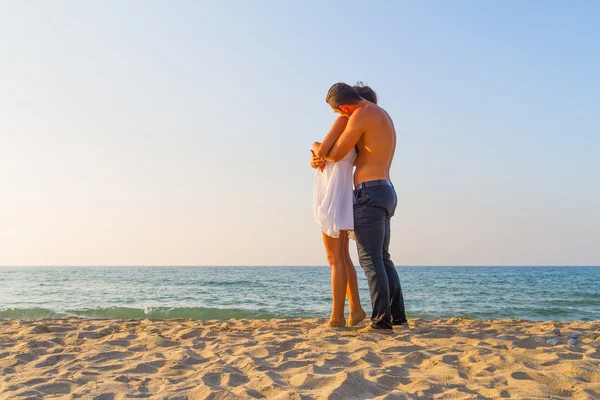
(292, 319)
(298, 359)
(83, 318)
(165, 313)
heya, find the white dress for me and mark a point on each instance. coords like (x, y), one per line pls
(333, 196)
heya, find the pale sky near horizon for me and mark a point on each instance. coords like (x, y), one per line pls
(178, 133)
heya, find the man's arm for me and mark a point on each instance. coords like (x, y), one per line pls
(351, 135)
(335, 132)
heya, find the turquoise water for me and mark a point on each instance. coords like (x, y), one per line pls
(534, 293)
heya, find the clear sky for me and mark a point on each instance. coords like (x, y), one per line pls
(178, 133)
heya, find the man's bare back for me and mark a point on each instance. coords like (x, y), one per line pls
(371, 129)
(375, 146)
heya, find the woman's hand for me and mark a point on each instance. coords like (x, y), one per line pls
(316, 162)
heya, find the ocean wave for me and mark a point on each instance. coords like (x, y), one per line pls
(197, 313)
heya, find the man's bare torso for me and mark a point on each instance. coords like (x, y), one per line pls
(376, 146)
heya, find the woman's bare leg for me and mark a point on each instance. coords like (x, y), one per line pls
(357, 313)
(335, 257)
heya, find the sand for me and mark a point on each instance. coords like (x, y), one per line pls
(297, 359)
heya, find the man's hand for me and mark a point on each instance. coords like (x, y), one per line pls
(316, 162)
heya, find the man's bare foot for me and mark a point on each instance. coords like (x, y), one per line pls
(336, 324)
(356, 318)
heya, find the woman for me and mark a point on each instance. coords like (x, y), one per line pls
(333, 202)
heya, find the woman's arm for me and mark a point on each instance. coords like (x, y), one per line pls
(321, 149)
(357, 125)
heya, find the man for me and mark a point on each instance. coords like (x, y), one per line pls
(372, 131)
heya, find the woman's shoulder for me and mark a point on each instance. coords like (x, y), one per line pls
(342, 120)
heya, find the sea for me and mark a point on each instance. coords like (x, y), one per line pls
(203, 293)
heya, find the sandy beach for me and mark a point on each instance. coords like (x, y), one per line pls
(297, 359)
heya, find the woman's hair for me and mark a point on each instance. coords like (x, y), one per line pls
(365, 92)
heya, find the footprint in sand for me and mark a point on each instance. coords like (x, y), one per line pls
(521, 376)
(118, 342)
(54, 388)
(146, 367)
(109, 355)
(55, 359)
(109, 396)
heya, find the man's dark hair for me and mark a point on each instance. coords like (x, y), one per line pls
(342, 94)
(365, 92)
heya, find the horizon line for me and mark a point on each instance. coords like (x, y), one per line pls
(294, 266)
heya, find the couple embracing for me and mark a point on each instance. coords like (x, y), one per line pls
(362, 136)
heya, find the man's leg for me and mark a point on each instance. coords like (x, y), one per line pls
(396, 297)
(369, 229)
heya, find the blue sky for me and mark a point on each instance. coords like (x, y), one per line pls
(155, 133)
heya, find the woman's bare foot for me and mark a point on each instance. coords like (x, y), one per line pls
(356, 317)
(336, 324)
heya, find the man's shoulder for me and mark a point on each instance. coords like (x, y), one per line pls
(365, 112)
(368, 114)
